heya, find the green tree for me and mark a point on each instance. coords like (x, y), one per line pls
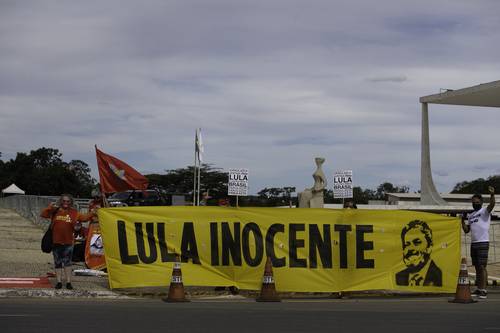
(82, 172)
(180, 181)
(272, 192)
(360, 196)
(1, 165)
(45, 158)
(479, 185)
(275, 196)
(387, 187)
(44, 172)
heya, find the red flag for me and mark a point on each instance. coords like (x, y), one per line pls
(117, 176)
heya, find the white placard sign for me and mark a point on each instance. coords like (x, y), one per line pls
(238, 182)
(342, 184)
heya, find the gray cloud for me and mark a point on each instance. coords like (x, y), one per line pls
(397, 79)
(441, 173)
(272, 84)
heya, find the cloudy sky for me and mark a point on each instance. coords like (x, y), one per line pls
(271, 83)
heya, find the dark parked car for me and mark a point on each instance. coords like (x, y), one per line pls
(138, 198)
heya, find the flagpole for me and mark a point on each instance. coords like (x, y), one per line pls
(194, 167)
(104, 201)
(199, 176)
(199, 172)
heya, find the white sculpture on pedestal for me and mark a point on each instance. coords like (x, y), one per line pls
(313, 197)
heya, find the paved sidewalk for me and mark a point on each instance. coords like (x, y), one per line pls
(21, 256)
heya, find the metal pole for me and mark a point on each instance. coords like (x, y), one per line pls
(466, 246)
(494, 243)
(194, 167)
(199, 176)
(104, 200)
(237, 201)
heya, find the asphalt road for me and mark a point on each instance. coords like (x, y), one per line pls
(352, 315)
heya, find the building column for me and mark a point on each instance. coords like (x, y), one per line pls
(428, 193)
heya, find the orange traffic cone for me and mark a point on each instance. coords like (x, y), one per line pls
(268, 292)
(463, 290)
(176, 290)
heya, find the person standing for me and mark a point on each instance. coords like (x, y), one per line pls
(478, 224)
(65, 220)
(97, 200)
(94, 250)
(95, 203)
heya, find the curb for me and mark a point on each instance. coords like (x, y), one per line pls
(50, 293)
(225, 298)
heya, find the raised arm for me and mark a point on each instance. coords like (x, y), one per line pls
(490, 207)
(47, 212)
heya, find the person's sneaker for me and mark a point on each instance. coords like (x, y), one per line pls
(483, 294)
(58, 285)
(476, 293)
(69, 286)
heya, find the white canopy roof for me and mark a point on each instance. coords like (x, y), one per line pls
(486, 94)
(12, 189)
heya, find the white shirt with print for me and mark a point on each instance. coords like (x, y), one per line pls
(479, 222)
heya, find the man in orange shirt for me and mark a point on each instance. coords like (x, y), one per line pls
(64, 221)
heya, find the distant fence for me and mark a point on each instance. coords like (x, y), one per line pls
(494, 254)
(30, 206)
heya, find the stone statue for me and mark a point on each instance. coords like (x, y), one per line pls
(313, 197)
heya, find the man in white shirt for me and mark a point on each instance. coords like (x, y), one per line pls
(478, 223)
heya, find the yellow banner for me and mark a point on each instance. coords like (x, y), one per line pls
(312, 250)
